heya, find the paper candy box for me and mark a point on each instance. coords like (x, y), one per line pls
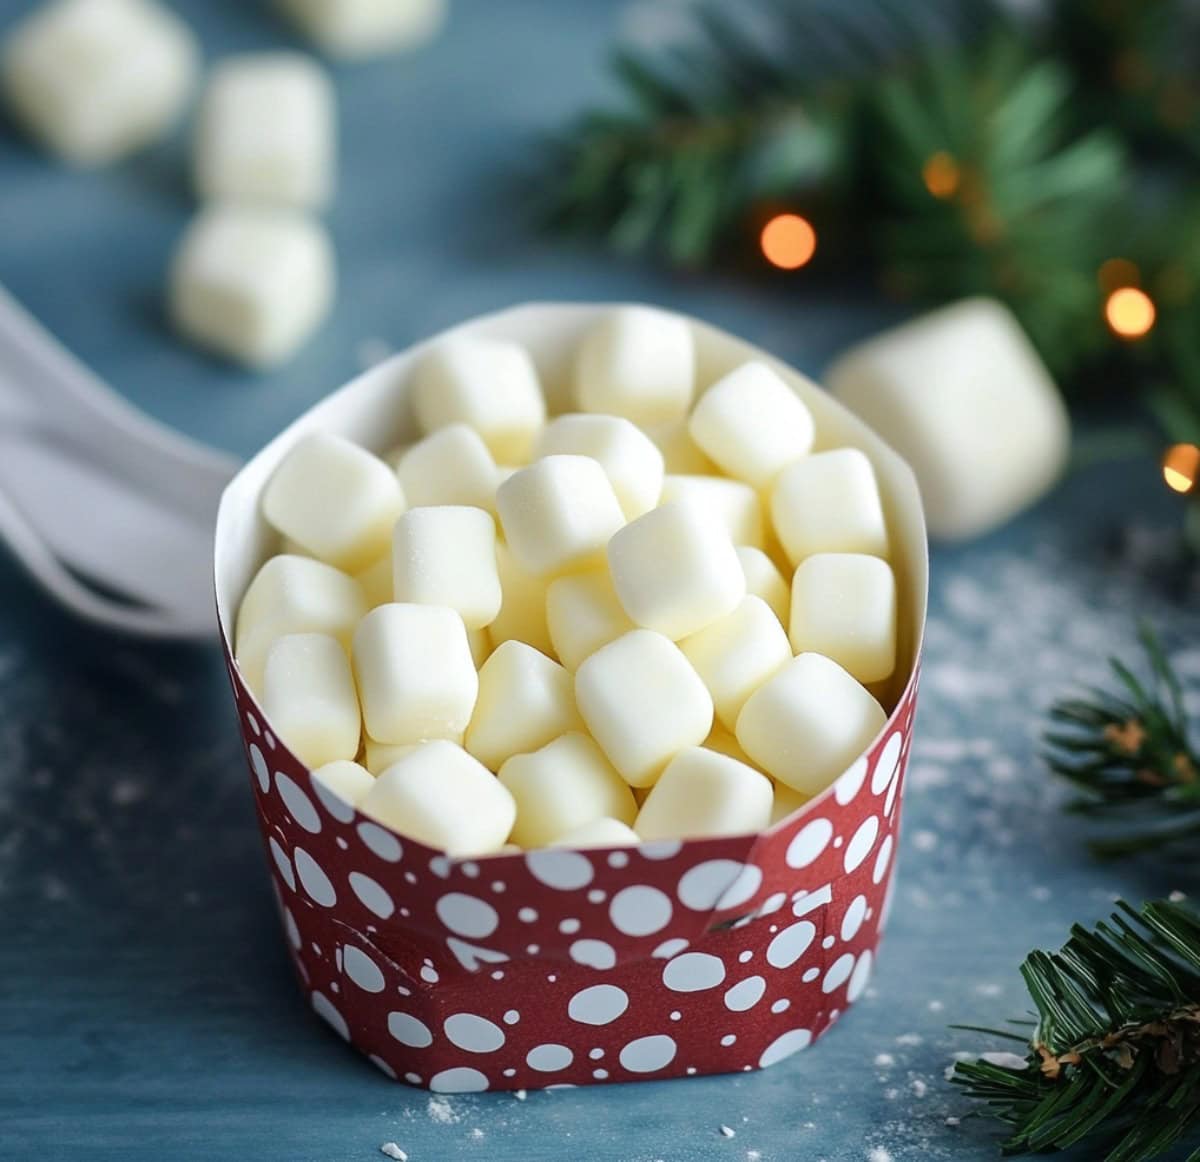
(574, 967)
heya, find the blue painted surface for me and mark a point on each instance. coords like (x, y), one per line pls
(147, 1008)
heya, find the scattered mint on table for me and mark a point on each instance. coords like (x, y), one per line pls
(1114, 1057)
(1130, 754)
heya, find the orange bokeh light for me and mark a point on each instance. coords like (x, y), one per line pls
(1181, 467)
(788, 241)
(1130, 312)
(941, 175)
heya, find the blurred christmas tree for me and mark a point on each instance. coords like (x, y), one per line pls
(942, 147)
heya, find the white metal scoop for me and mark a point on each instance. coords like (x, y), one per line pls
(112, 512)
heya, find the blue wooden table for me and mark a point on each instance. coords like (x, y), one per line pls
(147, 1008)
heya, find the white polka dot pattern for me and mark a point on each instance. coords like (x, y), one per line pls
(668, 960)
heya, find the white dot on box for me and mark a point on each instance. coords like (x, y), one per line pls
(860, 976)
(593, 954)
(383, 843)
(851, 782)
(569, 926)
(852, 920)
(729, 1039)
(473, 1033)
(745, 994)
(408, 1030)
(362, 970)
(262, 773)
(299, 805)
(860, 846)
(745, 956)
(467, 915)
(828, 942)
(564, 870)
(790, 944)
(885, 765)
(669, 948)
(618, 859)
(597, 896)
(810, 974)
(693, 972)
(882, 859)
(838, 974)
(784, 1046)
(701, 886)
(549, 1058)
(676, 1015)
(497, 886)
(600, 1004)
(470, 870)
(781, 1006)
(661, 849)
(313, 879)
(808, 843)
(282, 863)
(596, 1054)
(511, 1017)
(639, 910)
(413, 1078)
(599, 1074)
(527, 915)
(648, 1054)
(460, 1079)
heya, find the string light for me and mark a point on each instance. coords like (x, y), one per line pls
(941, 175)
(1181, 467)
(788, 241)
(1130, 312)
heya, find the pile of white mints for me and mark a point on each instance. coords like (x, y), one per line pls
(659, 616)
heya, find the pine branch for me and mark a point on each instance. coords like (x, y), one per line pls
(1130, 753)
(984, 190)
(756, 106)
(1114, 1059)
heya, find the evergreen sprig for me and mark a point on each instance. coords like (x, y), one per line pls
(1020, 207)
(755, 106)
(1114, 1057)
(1130, 754)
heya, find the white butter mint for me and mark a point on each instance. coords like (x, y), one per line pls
(347, 780)
(675, 571)
(639, 363)
(366, 28)
(730, 503)
(628, 456)
(310, 700)
(764, 580)
(416, 676)
(291, 594)
(522, 615)
(449, 466)
(844, 606)
(736, 654)
(703, 793)
(829, 503)
(809, 723)
(266, 131)
(490, 385)
(252, 283)
(583, 614)
(642, 702)
(605, 832)
(525, 701)
(962, 395)
(440, 795)
(381, 755)
(752, 424)
(446, 555)
(95, 80)
(558, 514)
(565, 785)
(336, 499)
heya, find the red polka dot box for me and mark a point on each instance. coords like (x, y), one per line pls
(564, 967)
